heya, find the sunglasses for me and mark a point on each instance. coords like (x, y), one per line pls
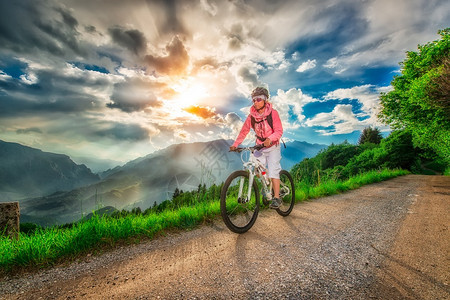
(257, 100)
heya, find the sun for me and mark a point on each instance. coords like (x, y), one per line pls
(190, 92)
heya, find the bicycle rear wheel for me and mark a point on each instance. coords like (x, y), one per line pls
(287, 193)
(238, 211)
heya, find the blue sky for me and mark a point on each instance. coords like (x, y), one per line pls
(117, 80)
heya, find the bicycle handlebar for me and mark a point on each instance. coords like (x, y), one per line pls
(256, 147)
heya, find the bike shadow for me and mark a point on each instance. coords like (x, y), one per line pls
(250, 263)
(255, 251)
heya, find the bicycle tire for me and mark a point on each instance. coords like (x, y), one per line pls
(239, 215)
(288, 201)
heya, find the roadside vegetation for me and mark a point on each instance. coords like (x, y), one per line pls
(39, 247)
(417, 108)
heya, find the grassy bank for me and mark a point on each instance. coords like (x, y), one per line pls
(52, 245)
(305, 191)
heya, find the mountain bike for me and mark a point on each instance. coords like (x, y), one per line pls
(239, 199)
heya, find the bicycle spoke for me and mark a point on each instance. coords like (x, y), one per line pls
(287, 193)
(239, 213)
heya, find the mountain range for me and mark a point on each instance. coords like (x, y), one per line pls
(139, 183)
(29, 172)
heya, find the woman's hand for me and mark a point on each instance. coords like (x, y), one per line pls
(267, 142)
(232, 148)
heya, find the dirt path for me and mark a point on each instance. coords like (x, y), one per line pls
(384, 241)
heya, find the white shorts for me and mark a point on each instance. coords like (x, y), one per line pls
(271, 158)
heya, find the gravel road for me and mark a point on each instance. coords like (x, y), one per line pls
(388, 240)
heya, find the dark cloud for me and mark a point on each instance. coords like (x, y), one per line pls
(175, 62)
(236, 37)
(83, 127)
(208, 63)
(133, 95)
(132, 39)
(28, 130)
(11, 106)
(345, 23)
(122, 132)
(62, 90)
(171, 22)
(248, 77)
(27, 26)
(90, 29)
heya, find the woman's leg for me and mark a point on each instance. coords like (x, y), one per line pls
(274, 168)
(276, 187)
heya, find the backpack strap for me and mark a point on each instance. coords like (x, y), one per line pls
(268, 118)
(269, 121)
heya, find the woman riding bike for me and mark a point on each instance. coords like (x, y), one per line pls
(266, 123)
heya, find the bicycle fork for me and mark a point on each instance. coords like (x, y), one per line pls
(251, 177)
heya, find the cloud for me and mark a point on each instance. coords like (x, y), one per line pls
(341, 120)
(174, 63)
(47, 26)
(28, 130)
(367, 95)
(307, 65)
(64, 89)
(211, 8)
(290, 105)
(203, 112)
(346, 118)
(88, 66)
(391, 29)
(134, 94)
(132, 39)
(248, 77)
(122, 132)
(181, 134)
(236, 37)
(229, 125)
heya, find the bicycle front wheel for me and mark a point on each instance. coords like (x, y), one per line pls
(287, 193)
(239, 203)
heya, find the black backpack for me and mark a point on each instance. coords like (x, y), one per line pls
(254, 122)
(269, 120)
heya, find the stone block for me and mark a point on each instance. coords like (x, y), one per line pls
(9, 219)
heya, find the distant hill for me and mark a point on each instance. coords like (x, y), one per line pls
(296, 151)
(153, 178)
(28, 172)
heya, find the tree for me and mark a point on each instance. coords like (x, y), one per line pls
(176, 193)
(419, 101)
(370, 135)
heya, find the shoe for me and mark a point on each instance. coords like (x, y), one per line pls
(276, 203)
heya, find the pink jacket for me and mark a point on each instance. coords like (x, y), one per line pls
(262, 129)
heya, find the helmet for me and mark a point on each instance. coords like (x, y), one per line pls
(260, 91)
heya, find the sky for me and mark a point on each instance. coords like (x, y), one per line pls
(116, 80)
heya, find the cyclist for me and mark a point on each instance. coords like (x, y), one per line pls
(268, 133)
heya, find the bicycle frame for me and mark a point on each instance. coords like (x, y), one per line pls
(255, 169)
(239, 212)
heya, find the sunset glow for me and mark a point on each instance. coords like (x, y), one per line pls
(190, 91)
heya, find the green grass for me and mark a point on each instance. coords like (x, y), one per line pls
(304, 192)
(48, 246)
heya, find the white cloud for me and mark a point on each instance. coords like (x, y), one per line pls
(341, 119)
(4, 76)
(307, 65)
(393, 27)
(210, 8)
(289, 105)
(367, 95)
